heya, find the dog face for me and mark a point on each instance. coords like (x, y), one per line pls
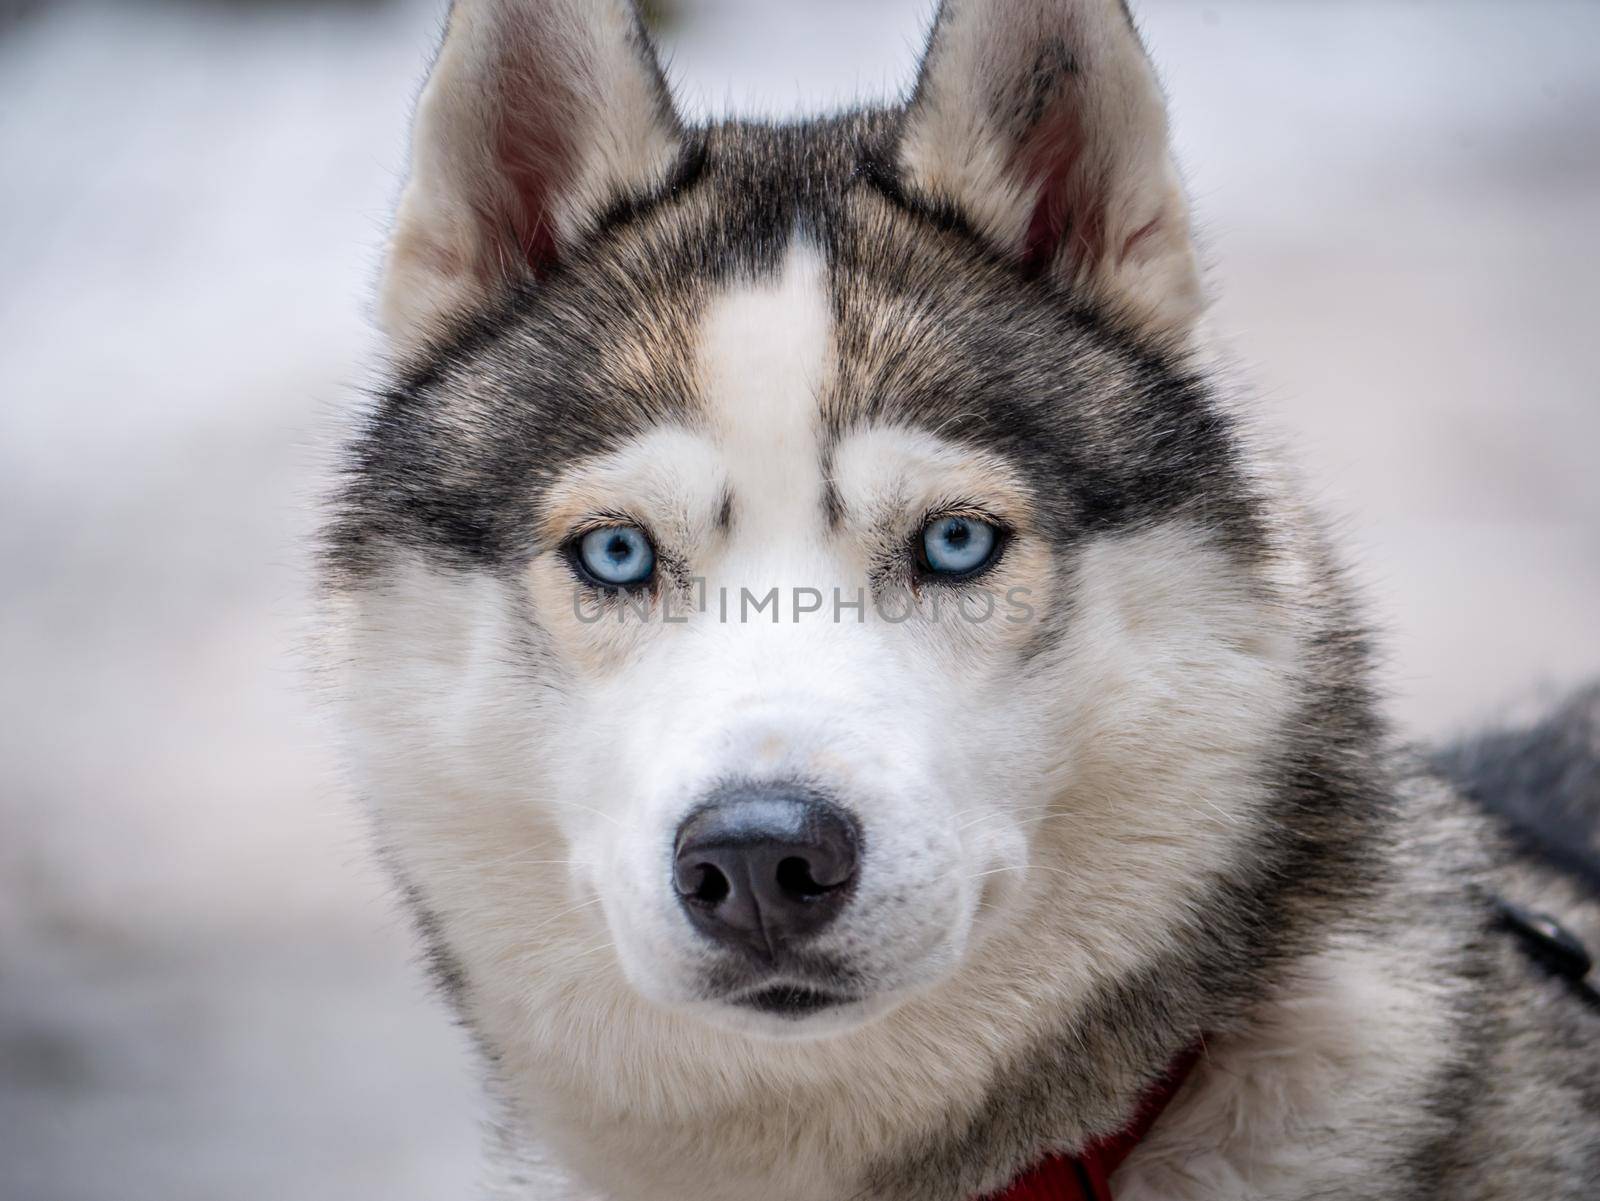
(795, 574)
(775, 726)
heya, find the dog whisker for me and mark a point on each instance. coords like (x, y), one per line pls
(555, 917)
(561, 963)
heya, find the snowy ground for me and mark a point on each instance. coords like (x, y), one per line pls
(202, 992)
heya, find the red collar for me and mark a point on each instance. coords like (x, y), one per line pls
(1087, 1175)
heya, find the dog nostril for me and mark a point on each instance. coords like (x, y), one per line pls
(712, 888)
(763, 866)
(795, 878)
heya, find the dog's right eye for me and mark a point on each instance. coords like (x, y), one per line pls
(955, 547)
(616, 556)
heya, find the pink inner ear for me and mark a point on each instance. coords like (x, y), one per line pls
(533, 158)
(530, 161)
(1073, 198)
(1066, 206)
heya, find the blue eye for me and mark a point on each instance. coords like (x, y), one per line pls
(617, 555)
(958, 546)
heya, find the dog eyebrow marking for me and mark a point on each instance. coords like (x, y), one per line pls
(833, 510)
(833, 506)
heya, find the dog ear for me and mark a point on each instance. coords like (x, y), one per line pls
(537, 116)
(1042, 124)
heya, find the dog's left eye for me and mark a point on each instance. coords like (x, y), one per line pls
(618, 556)
(958, 546)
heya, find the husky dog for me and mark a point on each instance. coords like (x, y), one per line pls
(850, 700)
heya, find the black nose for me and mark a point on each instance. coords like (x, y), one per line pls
(763, 866)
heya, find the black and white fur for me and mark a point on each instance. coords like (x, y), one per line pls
(1165, 809)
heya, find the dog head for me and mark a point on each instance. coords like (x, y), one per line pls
(797, 579)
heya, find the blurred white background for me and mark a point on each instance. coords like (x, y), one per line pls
(203, 991)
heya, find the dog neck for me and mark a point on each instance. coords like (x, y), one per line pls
(1086, 1176)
